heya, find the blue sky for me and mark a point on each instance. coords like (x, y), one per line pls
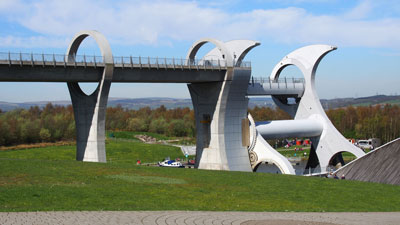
(366, 32)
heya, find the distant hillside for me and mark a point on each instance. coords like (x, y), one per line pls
(137, 103)
(130, 103)
(7, 106)
(363, 101)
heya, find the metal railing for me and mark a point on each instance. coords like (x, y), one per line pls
(119, 61)
(278, 83)
(280, 80)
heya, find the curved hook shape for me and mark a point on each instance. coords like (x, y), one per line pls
(226, 55)
(307, 60)
(237, 48)
(331, 141)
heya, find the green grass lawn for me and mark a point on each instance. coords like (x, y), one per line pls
(131, 135)
(117, 151)
(120, 151)
(46, 179)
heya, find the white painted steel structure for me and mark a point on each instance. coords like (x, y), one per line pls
(260, 152)
(301, 128)
(330, 142)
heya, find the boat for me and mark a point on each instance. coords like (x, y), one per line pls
(171, 163)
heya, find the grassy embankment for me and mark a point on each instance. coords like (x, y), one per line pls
(50, 179)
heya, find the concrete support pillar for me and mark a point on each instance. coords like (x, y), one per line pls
(220, 108)
(204, 99)
(90, 110)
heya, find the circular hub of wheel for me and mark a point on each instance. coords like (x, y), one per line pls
(253, 157)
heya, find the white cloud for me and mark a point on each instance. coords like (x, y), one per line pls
(300, 1)
(152, 22)
(34, 41)
(360, 11)
(7, 4)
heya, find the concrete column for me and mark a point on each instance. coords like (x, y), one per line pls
(220, 108)
(90, 110)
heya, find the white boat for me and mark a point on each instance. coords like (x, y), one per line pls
(171, 163)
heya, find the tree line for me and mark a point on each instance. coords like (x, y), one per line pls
(363, 122)
(177, 122)
(54, 123)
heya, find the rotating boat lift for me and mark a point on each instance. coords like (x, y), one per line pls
(309, 118)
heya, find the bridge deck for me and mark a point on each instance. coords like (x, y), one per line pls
(59, 73)
(64, 68)
(118, 61)
(18, 67)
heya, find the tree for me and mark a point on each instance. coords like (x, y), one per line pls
(177, 128)
(4, 134)
(45, 135)
(158, 126)
(136, 124)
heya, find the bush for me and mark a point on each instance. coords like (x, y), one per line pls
(45, 135)
(177, 128)
(158, 126)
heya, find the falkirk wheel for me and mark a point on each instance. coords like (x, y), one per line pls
(219, 83)
(216, 151)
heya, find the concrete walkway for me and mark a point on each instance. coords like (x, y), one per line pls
(196, 218)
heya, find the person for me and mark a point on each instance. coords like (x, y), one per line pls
(330, 175)
(335, 177)
(343, 178)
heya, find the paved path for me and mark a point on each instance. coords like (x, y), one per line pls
(196, 218)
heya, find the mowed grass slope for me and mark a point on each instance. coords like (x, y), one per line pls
(117, 151)
(50, 179)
